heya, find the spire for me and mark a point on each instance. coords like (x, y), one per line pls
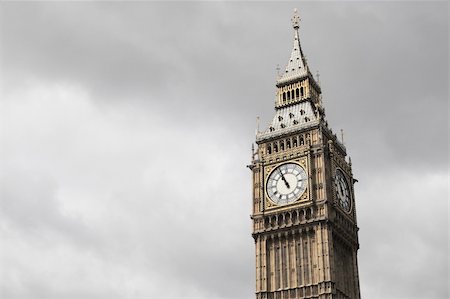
(297, 66)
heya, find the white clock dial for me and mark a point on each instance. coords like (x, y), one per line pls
(342, 191)
(286, 183)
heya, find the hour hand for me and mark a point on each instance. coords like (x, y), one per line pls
(284, 179)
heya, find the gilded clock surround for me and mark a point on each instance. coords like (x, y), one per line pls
(307, 248)
(303, 197)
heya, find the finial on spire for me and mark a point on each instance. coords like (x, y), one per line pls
(295, 20)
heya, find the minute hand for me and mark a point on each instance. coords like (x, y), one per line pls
(284, 179)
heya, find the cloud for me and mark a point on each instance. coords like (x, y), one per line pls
(406, 215)
(105, 184)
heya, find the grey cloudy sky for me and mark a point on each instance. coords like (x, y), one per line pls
(125, 129)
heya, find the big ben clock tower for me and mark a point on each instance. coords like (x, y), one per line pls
(304, 220)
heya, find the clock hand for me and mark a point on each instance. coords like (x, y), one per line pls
(342, 189)
(284, 179)
(343, 192)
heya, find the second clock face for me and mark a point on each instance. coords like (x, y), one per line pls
(286, 183)
(342, 191)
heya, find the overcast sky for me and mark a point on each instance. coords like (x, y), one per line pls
(125, 129)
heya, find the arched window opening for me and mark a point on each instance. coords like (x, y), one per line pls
(294, 217)
(297, 93)
(287, 218)
(294, 142)
(280, 220)
(288, 143)
(275, 148)
(269, 149)
(292, 94)
(266, 222)
(302, 112)
(308, 214)
(301, 91)
(288, 95)
(284, 97)
(302, 215)
(273, 220)
(281, 146)
(302, 141)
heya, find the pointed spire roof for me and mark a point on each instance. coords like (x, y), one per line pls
(297, 66)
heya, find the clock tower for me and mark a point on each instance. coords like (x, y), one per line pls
(304, 219)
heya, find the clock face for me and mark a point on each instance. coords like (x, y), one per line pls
(342, 191)
(286, 183)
